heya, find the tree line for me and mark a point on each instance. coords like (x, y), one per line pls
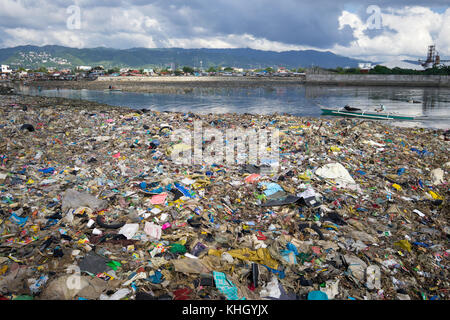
(437, 70)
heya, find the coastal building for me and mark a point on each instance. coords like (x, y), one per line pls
(84, 68)
(365, 67)
(22, 74)
(6, 69)
(148, 71)
(171, 66)
(401, 64)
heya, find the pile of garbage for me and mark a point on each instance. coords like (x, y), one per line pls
(93, 207)
(5, 90)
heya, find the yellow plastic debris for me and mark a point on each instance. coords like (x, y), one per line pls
(214, 252)
(335, 149)
(435, 195)
(404, 244)
(261, 256)
(3, 269)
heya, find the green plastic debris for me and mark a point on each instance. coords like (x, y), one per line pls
(23, 297)
(177, 248)
(114, 264)
(304, 257)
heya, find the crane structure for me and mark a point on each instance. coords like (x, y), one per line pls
(433, 59)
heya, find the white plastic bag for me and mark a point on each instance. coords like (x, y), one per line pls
(129, 230)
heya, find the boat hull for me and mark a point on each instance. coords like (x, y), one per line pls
(365, 115)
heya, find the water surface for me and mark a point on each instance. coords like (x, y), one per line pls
(301, 100)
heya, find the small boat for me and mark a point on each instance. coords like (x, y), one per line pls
(113, 90)
(348, 111)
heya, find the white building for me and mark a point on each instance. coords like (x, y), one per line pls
(365, 65)
(401, 64)
(6, 69)
(84, 68)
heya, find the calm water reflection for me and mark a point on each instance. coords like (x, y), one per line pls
(302, 100)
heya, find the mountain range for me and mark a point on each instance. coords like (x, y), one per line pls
(66, 57)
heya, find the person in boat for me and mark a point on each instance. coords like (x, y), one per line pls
(110, 87)
(381, 108)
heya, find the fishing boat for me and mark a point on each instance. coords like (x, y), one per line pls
(348, 111)
(113, 89)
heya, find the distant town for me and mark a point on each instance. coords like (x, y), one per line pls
(94, 72)
(90, 73)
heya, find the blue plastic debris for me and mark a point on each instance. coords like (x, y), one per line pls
(317, 295)
(423, 152)
(226, 286)
(271, 187)
(47, 170)
(185, 191)
(291, 247)
(18, 220)
(156, 278)
(421, 244)
(280, 273)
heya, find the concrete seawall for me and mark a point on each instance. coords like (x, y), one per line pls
(191, 79)
(379, 80)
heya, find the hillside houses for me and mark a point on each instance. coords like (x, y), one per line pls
(93, 72)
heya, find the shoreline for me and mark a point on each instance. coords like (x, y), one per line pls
(169, 85)
(182, 85)
(80, 104)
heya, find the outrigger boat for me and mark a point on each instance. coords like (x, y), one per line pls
(348, 111)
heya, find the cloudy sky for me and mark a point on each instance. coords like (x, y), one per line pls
(377, 30)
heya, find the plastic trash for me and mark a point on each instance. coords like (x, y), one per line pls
(73, 199)
(437, 176)
(226, 287)
(317, 295)
(152, 230)
(373, 277)
(96, 207)
(129, 230)
(28, 127)
(118, 295)
(336, 172)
